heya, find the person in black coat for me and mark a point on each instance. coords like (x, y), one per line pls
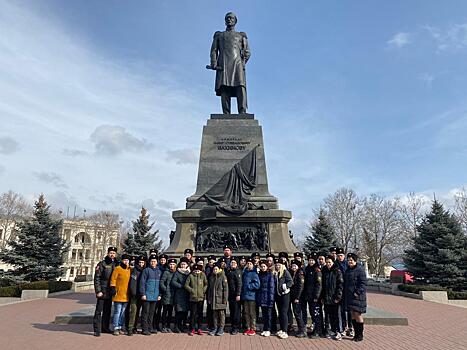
(298, 278)
(283, 283)
(311, 295)
(355, 294)
(234, 279)
(104, 269)
(135, 298)
(333, 284)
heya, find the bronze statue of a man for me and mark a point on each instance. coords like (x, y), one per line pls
(229, 55)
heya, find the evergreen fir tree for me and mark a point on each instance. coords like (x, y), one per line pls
(321, 236)
(141, 240)
(440, 250)
(38, 251)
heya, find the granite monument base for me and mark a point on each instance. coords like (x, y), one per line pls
(190, 220)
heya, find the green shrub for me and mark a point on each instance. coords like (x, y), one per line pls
(59, 286)
(34, 285)
(51, 286)
(11, 292)
(416, 288)
(453, 295)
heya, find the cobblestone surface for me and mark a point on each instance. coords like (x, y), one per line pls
(28, 325)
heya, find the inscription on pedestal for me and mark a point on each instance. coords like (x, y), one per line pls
(231, 144)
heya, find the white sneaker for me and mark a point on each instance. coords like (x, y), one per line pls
(338, 336)
(279, 333)
(262, 333)
(283, 335)
(266, 334)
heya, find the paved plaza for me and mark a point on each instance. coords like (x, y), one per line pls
(28, 325)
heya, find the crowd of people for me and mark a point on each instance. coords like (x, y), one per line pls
(167, 295)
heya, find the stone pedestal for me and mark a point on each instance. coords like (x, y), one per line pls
(226, 140)
(276, 220)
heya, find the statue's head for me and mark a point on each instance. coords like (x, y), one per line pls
(230, 19)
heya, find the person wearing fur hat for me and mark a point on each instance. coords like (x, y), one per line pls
(210, 265)
(296, 291)
(149, 290)
(242, 262)
(270, 260)
(135, 298)
(345, 317)
(284, 258)
(209, 271)
(181, 296)
(355, 294)
(250, 285)
(119, 289)
(196, 285)
(234, 279)
(188, 253)
(265, 296)
(311, 294)
(167, 295)
(256, 256)
(104, 269)
(299, 257)
(283, 283)
(199, 260)
(333, 284)
(217, 297)
(162, 266)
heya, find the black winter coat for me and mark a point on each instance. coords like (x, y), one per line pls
(166, 290)
(333, 285)
(181, 296)
(313, 283)
(102, 276)
(135, 278)
(355, 289)
(296, 290)
(234, 279)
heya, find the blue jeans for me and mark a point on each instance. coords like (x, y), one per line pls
(119, 315)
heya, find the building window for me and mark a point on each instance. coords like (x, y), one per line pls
(72, 272)
(1, 233)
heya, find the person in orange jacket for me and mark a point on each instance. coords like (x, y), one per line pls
(119, 290)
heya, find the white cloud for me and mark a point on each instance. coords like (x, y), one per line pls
(8, 145)
(164, 204)
(52, 178)
(73, 152)
(183, 156)
(399, 40)
(452, 38)
(113, 139)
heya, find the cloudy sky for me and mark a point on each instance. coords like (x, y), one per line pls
(102, 103)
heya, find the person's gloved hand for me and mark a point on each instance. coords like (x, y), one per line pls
(113, 291)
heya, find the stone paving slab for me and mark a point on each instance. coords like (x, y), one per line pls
(29, 325)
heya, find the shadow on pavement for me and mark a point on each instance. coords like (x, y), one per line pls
(81, 298)
(71, 328)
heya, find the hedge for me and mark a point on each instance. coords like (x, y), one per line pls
(416, 288)
(52, 286)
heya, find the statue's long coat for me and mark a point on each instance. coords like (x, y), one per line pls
(229, 52)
